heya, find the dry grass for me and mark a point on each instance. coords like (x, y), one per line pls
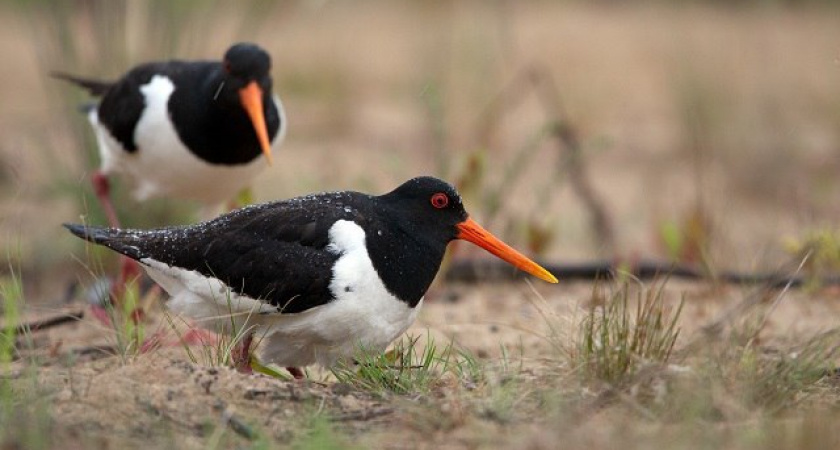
(409, 368)
(615, 340)
(629, 377)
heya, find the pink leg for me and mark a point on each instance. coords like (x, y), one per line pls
(102, 189)
(129, 269)
(241, 355)
(296, 372)
(101, 314)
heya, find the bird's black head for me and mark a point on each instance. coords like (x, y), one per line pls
(245, 92)
(408, 232)
(247, 62)
(428, 213)
(430, 205)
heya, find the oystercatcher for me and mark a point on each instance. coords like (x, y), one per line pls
(186, 129)
(318, 275)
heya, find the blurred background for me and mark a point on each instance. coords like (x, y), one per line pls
(701, 132)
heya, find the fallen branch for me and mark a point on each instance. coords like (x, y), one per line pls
(43, 324)
(362, 415)
(95, 351)
(471, 271)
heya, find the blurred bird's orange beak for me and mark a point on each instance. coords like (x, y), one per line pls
(469, 230)
(251, 98)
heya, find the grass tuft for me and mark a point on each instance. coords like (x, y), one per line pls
(217, 350)
(774, 381)
(320, 434)
(408, 368)
(24, 415)
(617, 339)
(127, 322)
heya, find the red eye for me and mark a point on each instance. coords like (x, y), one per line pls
(440, 200)
(227, 66)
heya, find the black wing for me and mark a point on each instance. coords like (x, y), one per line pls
(275, 252)
(123, 104)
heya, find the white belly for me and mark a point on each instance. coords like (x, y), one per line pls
(163, 166)
(364, 316)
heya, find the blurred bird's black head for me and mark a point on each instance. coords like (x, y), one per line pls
(246, 90)
(247, 61)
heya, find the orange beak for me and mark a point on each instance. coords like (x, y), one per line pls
(469, 230)
(251, 98)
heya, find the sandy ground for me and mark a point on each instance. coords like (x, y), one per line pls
(164, 398)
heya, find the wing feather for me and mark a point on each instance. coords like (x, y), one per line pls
(275, 252)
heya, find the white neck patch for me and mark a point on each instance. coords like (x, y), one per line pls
(363, 313)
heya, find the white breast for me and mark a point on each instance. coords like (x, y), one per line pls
(163, 166)
(363, 314)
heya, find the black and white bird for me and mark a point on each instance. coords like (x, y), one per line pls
(186, 129)
(317, 276)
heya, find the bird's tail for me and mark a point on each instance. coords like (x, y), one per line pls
(121, 241)
(96, 88)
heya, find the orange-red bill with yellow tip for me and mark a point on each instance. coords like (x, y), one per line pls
(469, 230)
(251, 98)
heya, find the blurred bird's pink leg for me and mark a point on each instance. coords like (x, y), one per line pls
(129, 269)
(102, 189)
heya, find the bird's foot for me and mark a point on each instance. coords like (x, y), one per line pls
(241, 354)
(244, 368)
